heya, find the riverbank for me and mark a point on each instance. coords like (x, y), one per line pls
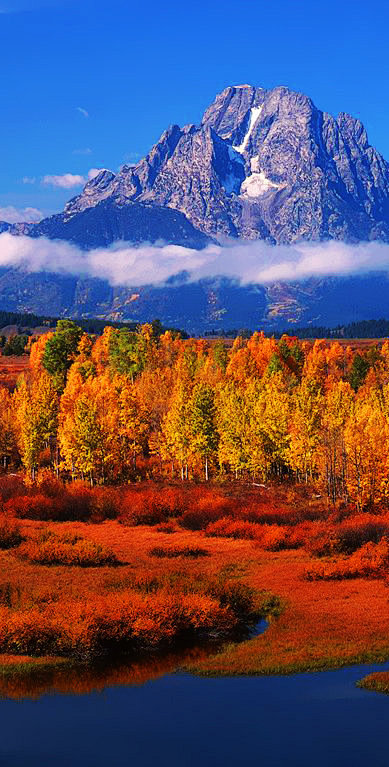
(319, 624)
(378, 681)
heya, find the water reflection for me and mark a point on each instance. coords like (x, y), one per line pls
(120, 672)
(84, 680)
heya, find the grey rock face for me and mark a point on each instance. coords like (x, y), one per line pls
(262, 164)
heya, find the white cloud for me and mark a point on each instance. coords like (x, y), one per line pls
(248, 262)
(66, 181)
(93, 173)
(70, 180)
(82, 111)
(17, 215)
(28, 180)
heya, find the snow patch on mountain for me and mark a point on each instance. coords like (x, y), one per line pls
(254, 116)
(257, 184)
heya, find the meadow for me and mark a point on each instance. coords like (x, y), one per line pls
(148, 569)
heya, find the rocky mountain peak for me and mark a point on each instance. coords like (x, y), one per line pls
(263, 163)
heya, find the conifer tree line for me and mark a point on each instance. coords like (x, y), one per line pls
(95, 407)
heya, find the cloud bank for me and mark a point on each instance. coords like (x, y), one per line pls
(69, 180)
(16, 215)
(247, 262)
(66, 181)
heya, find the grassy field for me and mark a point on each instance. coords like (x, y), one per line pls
(165, 568)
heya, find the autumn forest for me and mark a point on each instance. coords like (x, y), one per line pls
(189, 488)
(125, 406)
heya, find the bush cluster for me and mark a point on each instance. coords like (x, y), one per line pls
(66, 549)
(370, 561)
(10, 535)
(176, 551)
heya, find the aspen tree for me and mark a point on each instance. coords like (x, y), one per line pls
(176, 427)
(332, 455)
(366, 437)
(305, 428)
(8, 446)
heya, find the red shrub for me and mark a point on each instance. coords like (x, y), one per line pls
(274, 537)
(192, 552)
(76, 502)
(371, 560)
(234, 528)
(361, 529)
(11, 486)
(323, 540)
(347, 536)
(272, 514)
(206, 508)
(9, 534)
(68, 549)
(174, 500)
(31, 507)
(143, 507)
(104, 503)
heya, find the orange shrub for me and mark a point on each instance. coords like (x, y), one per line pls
(130, 619)
(377, 681)
(68, 549)
(176, 551)
(9, 535)
(274, 537)
(370, 561)
(31, 507)
(233, 528)
(205, 507)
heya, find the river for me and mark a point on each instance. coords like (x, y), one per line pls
(180, 720)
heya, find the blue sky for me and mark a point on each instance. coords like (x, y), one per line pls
(88, 83)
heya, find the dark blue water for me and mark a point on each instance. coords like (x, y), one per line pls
(179, 720)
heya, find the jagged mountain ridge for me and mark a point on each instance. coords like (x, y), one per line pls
(108, 221)
(262, 164)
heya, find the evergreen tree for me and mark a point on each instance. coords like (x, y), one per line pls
(60, 351)
(204, 433)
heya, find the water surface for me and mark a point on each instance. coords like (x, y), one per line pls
(180, 720)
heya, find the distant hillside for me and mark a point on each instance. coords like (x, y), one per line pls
(25, 322)
(363, 329)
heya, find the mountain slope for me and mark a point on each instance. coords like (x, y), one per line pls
(109, 221)
(262, 164)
